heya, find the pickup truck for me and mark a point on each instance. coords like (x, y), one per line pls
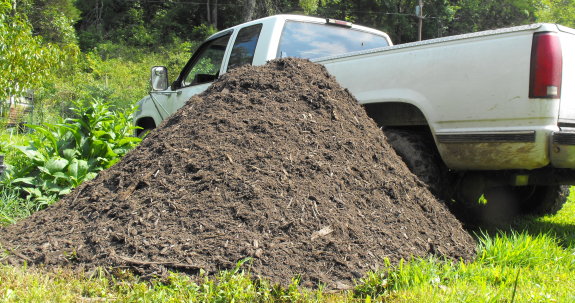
(469, 114)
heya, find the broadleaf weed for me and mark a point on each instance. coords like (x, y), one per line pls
(61, 156)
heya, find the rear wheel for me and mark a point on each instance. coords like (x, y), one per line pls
(418, 151)
(542, 200)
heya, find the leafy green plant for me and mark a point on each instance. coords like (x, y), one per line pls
(61, 156)
(12, 157)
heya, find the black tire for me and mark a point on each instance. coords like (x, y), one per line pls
(542, 200)
(418, 151)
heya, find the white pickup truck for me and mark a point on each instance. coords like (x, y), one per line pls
(468, 113)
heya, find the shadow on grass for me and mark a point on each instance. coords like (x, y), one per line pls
(560, 226)
(563, 232)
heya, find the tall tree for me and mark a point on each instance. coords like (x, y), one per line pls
(54, 20)
(212, 12)
(249, 10)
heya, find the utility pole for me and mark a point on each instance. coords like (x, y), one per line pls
(419, 13)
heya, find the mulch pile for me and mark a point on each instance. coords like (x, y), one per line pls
(277, 163)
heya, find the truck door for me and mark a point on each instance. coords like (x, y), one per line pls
(200, 71)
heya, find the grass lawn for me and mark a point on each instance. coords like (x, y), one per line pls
(533, 262)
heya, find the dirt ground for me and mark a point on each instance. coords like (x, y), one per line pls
(277, 163)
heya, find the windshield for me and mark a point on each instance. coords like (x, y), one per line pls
(313, 40)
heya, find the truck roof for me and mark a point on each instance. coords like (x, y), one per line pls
(284, 17)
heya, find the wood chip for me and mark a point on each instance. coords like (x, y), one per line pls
(321, 233)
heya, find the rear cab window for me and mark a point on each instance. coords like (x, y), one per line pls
(314, 40)
(245, 46)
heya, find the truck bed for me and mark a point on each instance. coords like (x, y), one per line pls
(472, 90)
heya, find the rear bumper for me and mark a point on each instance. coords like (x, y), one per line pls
(494, 150)
(562, 149)
(518, 158)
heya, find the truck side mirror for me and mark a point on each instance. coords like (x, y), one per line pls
(159, 78)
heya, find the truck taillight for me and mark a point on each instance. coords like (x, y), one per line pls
(339, 22)
(546, 66)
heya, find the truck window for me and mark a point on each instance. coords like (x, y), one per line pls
(206, 62)
(245, 46)
(314, 40)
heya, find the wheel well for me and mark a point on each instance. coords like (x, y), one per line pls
(404, 118)
(395, 114)
(146, 123)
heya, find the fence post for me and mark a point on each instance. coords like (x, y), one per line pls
(2, 167)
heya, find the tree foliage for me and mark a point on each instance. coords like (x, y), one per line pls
(25, 59)
(556, 11)
(476, 15)
(149, 23)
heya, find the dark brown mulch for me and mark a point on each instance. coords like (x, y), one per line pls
(277, 163)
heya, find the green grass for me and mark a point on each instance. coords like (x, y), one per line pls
(516, 265)
(13, 207)
(532, 262)
(31, 285)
